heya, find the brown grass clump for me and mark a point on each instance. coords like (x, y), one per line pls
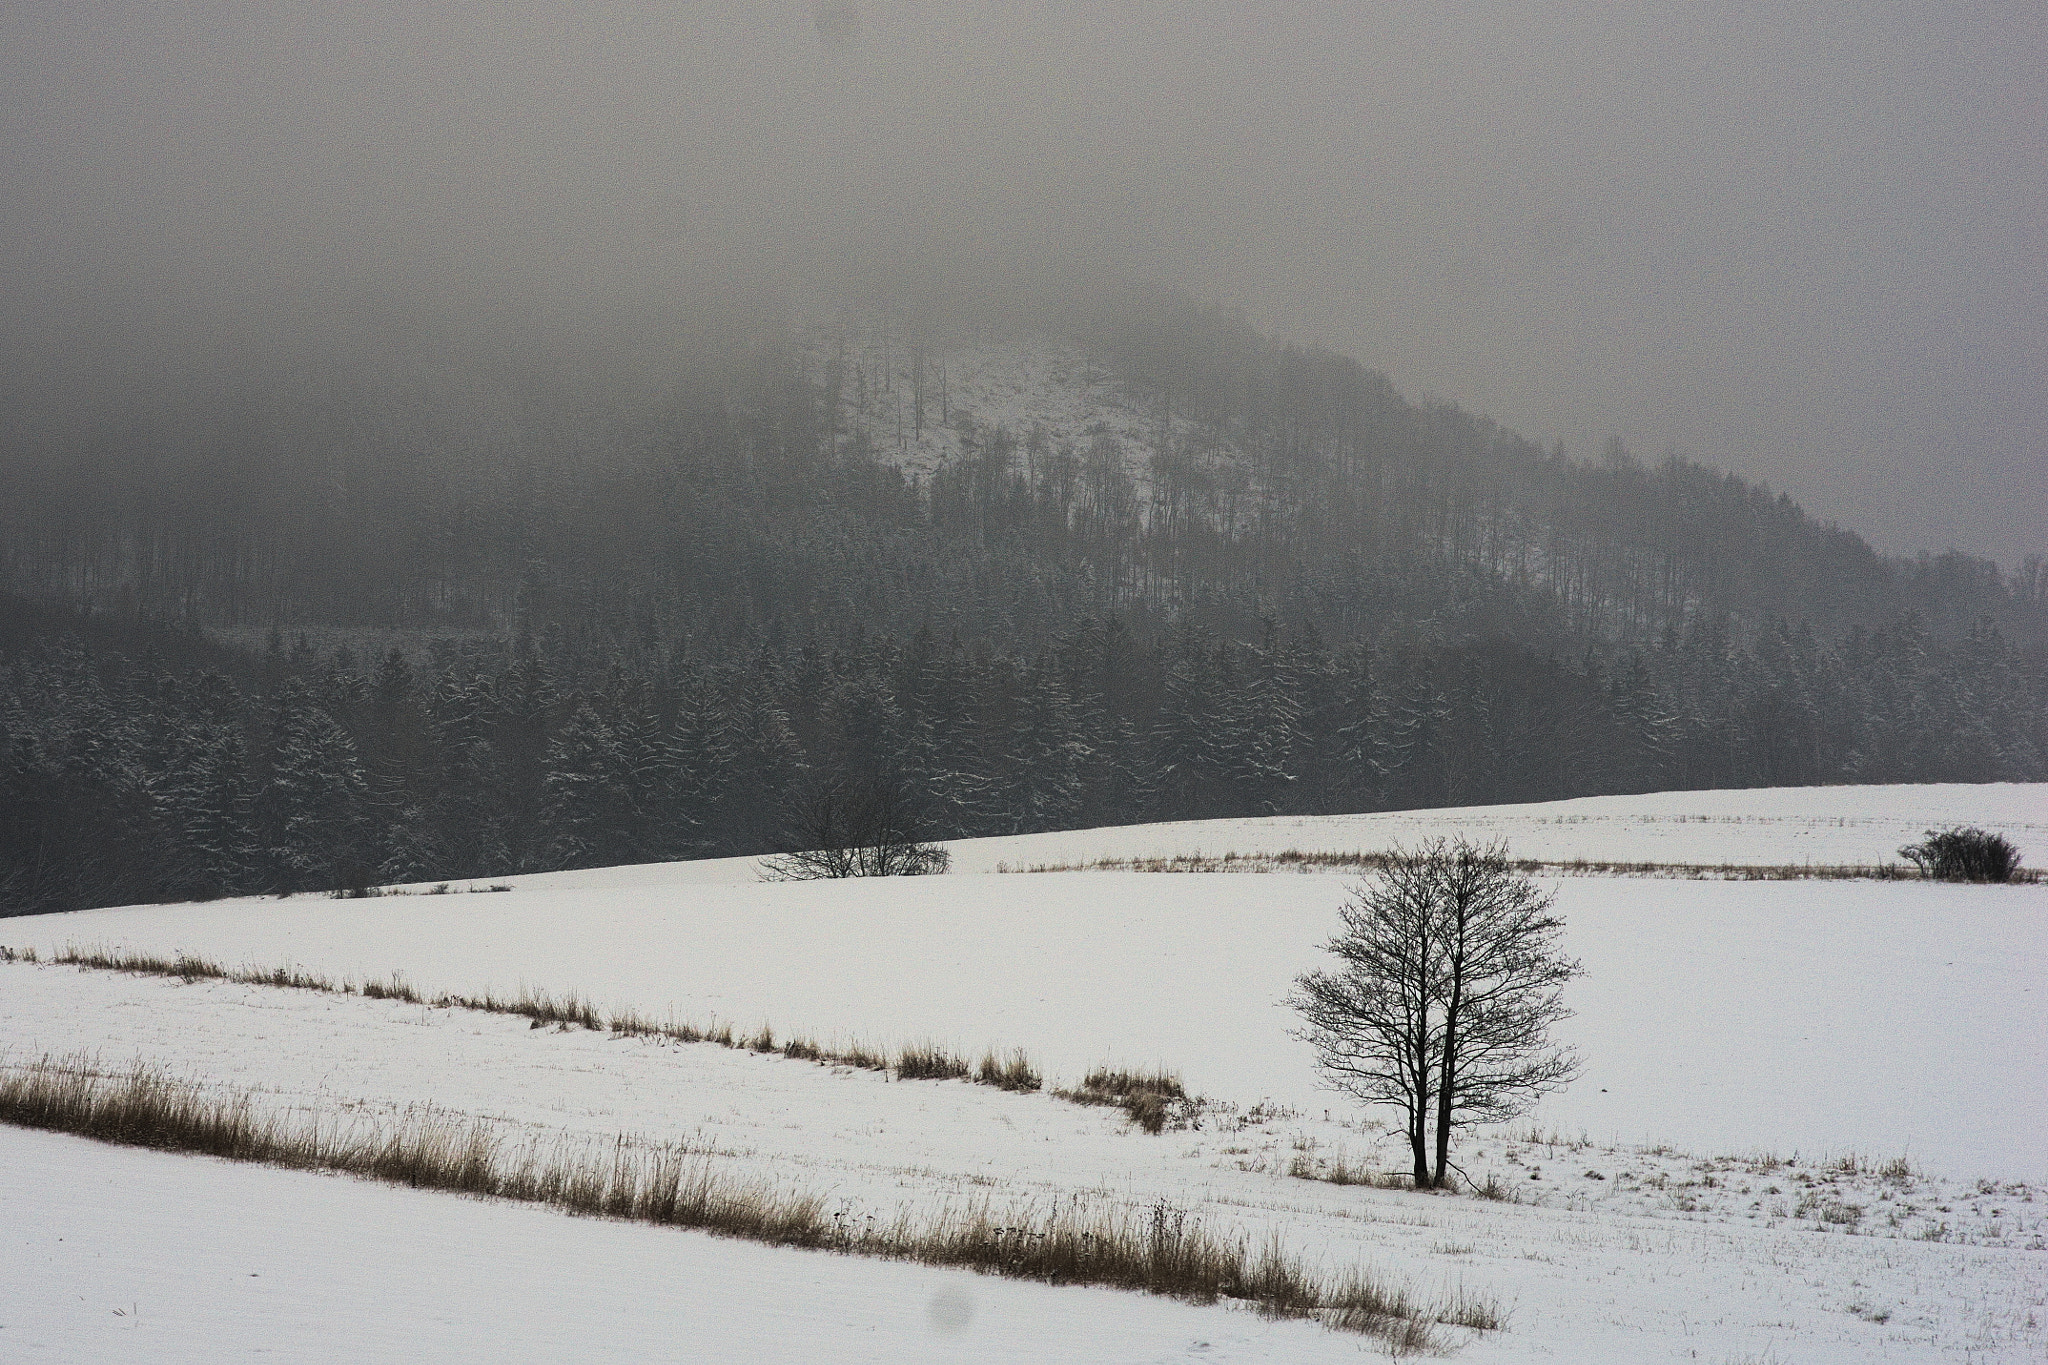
(542, 1008)
(1149, 1097)
(394, 989)
(1013, 1071)
(289, 978)
(860, 1057)
(1159, 1251)
(929, 1062)
(1340, 1171)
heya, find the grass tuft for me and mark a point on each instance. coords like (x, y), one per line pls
(1011, 1071)
(929, 1062)
(859, 1056)
(397, 988)
(1149, 1097)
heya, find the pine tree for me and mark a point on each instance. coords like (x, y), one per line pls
(313, 815)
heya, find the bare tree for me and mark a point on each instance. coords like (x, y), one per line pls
(1449, 980)
(856, 829)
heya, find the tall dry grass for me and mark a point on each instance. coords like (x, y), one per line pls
(1313, 860)
(923, 1061)
(1159, 1250)
(1009, 1071)
(929, 1062)
(1150, 1098)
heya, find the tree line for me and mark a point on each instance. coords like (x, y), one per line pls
(128, 774)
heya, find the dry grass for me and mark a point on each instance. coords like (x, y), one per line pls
(394, 988)
(1339, 1171)
(1313, 860)
(1160, 1250)
(858, 1056)
(146, 1107)
(924, 1061)
(1151, 1098)
(1012, 1071)
(929, 1062)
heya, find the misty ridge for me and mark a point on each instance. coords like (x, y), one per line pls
(428, 452)
(472, 616)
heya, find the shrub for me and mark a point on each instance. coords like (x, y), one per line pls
(1964, 854)
(870, 829)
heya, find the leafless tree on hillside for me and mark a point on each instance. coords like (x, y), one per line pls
(856, 829)
(1449, 980)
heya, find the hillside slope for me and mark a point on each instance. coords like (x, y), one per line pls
(1763, 1159)
(1716, 1015)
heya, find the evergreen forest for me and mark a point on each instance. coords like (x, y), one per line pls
(424, 625)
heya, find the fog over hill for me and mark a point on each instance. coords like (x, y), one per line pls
(1803, 247)
(432, 445)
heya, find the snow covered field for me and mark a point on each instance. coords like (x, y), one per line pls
(1741, 1039)
(1884, 1018)
(113, 1256)
(1769, 827)
(1607, 1250)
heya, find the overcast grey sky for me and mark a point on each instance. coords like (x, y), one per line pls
(1807, 243)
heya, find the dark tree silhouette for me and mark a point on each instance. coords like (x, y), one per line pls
(1450, 978)
(856, 829)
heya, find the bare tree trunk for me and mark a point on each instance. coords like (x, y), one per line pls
(1446, 1086)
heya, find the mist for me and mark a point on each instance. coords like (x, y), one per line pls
(1807, 248)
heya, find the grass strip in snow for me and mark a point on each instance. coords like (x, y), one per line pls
(923, 1061)
(1313, 860)
(1149, 1099)
(1157, 1250)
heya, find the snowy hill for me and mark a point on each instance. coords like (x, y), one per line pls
(927, 409)
(1810, 1128)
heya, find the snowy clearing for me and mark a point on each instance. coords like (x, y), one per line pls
(1608, 1248)
(1722, 1184)
(1764, 827)
(1879, 1018)
(113, 1255)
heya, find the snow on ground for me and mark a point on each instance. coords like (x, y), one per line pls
(1689, 1199)
(1884, 1018)
(1608, 1251)
(112, 1256)
(1766, 827)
